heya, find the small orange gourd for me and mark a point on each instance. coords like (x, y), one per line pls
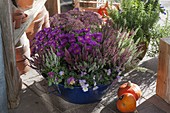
(132, 88)
(126, 103)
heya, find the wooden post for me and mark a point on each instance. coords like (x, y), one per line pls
(3, 97)
(163, 77)
(11, 74)
(53, 6)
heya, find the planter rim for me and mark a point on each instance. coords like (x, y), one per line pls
(79, 87)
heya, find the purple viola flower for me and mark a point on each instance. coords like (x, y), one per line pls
(93, 43)
(98, 37)
(61, 53)
(51, 74)
(86, 30)
(47, 30)
(63, 42)
(61, 73)
(109, 72)
(81, 39)
(60, 47)
(88, 48)
(70, 49)
(75, 45)
(83, 73)
(71, 81)
(88, 37)
(84, 85)
(72, 40)
(77, 50)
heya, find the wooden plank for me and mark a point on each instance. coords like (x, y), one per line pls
(163, 77)
(13, 80)
(3, 96)
(53, 7)
(92, 2)
(32, 13)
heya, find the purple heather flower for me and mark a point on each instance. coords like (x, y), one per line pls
(71, 81)
(51, 74)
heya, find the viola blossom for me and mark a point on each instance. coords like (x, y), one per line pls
(83, 73)
(109, 72)
(71, 81)
(119, 78)
(95, 88)
(84, 85)
(77, 50)
(51, 74)
(98, 37)
(61, 73)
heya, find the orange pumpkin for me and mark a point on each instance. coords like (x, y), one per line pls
(132, 88)
(103, 10)
(126, 103)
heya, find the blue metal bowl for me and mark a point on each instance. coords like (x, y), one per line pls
(77, 95)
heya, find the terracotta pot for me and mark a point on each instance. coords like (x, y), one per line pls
(25, 4)
(41, 21)
(25, 18)
(23, 66)
(17, 18)
(142, 47)
(22, 52)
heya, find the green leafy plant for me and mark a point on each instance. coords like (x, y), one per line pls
(137, 14)
(159, 31)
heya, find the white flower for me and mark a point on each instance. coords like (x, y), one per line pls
(85, 89)
(84, 85)
(109, 72)
(95, 87)
(119, 78)
(61, 73)
(94, 77)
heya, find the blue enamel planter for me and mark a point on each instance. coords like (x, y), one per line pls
(77, 95)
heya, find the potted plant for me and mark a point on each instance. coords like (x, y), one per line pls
(81, 56)
(159, 31)
(138, 14)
